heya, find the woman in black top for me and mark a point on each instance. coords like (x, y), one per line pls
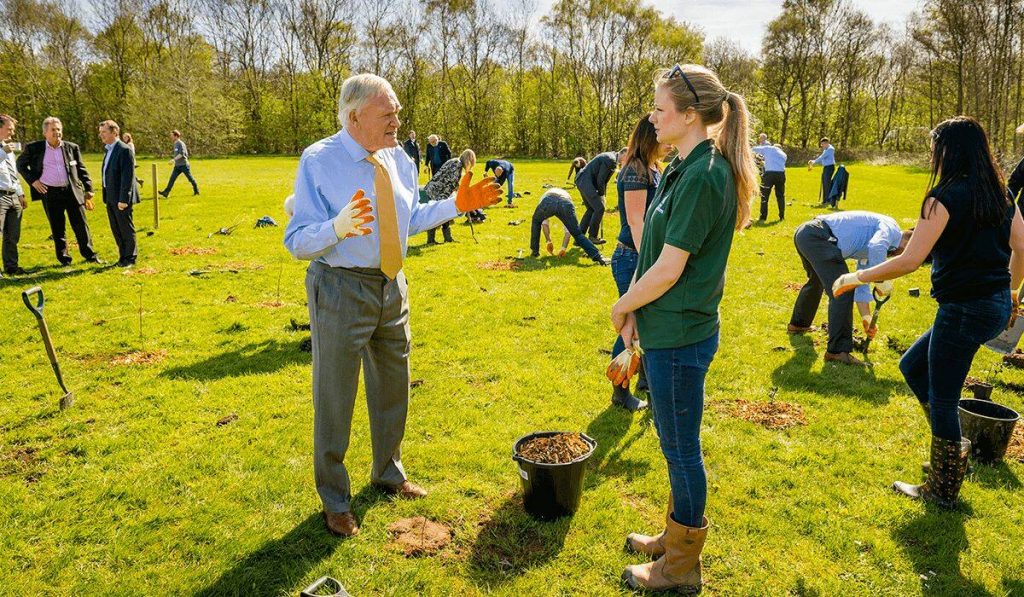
(972, 230)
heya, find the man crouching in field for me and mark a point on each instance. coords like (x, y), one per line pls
(356, 291)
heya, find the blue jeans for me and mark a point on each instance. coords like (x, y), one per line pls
(676, 378)
(936, 366)
(624, 263)
(178, 170)
(565, 211)
(511, 191)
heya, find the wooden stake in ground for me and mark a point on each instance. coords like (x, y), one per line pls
(156, 202)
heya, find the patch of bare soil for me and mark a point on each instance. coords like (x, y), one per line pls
(419, 536)
(794, 286)
(271, 304)
(770, 415)
(180, 251)
(896, 344)
(501, 265)
(1016, 359)
(556, 449)
(237, 266)
(140, 271)
(24, 460)
(1016, 447)
(225, 420)
(140, 357)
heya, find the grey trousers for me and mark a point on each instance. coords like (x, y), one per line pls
(824, 263)
(357, 317)
(10, 229)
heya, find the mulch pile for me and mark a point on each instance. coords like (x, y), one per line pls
(140, 357)
(1015, 360)
(794, 286)
(770, 415)
(139, 271)
(556, 449)
(1016, 448)
(179, 251)
(500, 265)
(419, 536)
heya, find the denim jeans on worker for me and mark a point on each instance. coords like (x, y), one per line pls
(566, 213)
(937, 364)
(178, 170)
(676, 377)
(511, 191)
(623, 267)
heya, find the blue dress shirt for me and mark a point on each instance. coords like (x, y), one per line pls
(106, 158)
(774, 158)
(330, 172)
(866, 237)
(827, 157)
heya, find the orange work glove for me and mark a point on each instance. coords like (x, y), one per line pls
(353, 218)
(89, 205)
(483, 194)
(623, 367)
(1015, 310)
(869, 331)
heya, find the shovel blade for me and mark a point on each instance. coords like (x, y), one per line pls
(1006, 342)
(67, 400)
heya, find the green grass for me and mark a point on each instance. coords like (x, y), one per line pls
(135, 490)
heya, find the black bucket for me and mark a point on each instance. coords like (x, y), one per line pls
(989, 426)
(551, 490)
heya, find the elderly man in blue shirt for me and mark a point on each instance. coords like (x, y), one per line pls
(356, 202)
(824, 244)
(774, 176)
(827, 160)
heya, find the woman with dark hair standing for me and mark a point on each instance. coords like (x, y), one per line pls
(672, 307)
(972, 230)
(636, 184)
(442, 184)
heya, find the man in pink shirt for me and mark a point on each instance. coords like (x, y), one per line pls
(55, 171)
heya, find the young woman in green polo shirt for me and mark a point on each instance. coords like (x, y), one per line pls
(672, 307)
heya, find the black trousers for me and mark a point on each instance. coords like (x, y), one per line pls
(446, 230)
(57, 202)
(776, 180)
(824, 263)
(590, 223)
(826, 183)
(123, 228)
(10, 228)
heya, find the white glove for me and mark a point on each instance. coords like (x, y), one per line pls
(354, 217)
(289, 206)
(845, 283)
(883, 289)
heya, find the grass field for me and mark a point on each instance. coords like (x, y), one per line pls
(137, 490)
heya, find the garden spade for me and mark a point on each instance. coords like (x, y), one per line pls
(37, 309)
(874, 316)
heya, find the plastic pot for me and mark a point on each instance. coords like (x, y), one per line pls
(989, 426)
(551, 490)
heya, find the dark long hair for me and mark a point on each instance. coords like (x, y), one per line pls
(642, 151)
(961, 153)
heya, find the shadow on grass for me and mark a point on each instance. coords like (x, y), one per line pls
(834, 378)
(765, 224)
(608, 429)
(265, 357)
(995, 476)
(933, 541)
(280, 564)
(35, 277)
(511, 542)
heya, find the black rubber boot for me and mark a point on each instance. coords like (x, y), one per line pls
(622, 397)
(431, 236)
(447, 235)
(942, 486)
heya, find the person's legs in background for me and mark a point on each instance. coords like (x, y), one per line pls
(187, 170)
(511, 191)
(10, 231)
(566, 213)
(624, 262)
(170, 181)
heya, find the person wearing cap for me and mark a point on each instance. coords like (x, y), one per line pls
(356, 204)
(824, 244)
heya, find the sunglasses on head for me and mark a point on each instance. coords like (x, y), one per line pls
(676, 73)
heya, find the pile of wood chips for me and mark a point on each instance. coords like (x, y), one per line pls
(556, 449)
(504, 265)
(770, 415)
(1015, 450)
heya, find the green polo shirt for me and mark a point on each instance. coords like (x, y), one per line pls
(694, 210)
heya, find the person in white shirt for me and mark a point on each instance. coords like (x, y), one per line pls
(12, 198)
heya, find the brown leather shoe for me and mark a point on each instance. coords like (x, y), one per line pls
(407, 490)
(341, 523)
(799, 329)
(843, 357)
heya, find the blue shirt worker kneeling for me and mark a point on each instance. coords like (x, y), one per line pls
(356, 203)
(824, 244)
(774, 176)
(503, 172)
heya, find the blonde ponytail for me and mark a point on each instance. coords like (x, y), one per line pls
(733, 143)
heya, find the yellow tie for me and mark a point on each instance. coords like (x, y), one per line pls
(387, 221)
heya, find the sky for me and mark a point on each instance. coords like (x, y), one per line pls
(744, 21)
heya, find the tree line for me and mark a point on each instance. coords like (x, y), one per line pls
(262, 76)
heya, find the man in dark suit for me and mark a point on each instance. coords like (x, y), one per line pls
(55, 171)
(120, 191)
(438, 153)
(412, 149)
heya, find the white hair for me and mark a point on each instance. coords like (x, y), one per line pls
(357, 90)
(50, 120)
(559, 193)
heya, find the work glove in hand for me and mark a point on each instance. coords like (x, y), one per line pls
(89, 204)
(869, 331)
(1015, 307)
(483, 194)
(883, 289)
(624, 366)
(845, 283)
(354, 217)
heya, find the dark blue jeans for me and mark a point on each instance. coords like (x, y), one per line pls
(564, 210)
(676, 377)
(178, 170)
(623, 267)
(936, 366)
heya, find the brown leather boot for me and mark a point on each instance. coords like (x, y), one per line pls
(341, 523)
(843, 357)
(651, 545)
(679, 569)
(945, 476)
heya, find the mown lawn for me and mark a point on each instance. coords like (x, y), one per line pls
(136, 490)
